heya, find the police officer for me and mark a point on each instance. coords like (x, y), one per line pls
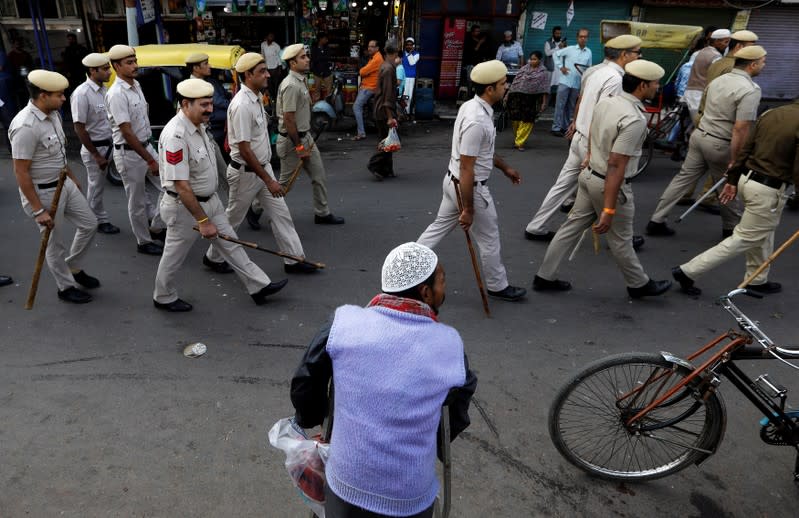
(732, 102)
(134, 157)
(471, 161)
(188, 176)
(763, 170)
(295, 142)
(249, 173)
(617, 132)
(39, 154)
(94, 131)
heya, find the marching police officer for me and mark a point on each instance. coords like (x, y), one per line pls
(39, 154)
(189, 178)
(134, 157)
(94, 131)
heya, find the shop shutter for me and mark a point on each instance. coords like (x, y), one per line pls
(587, 14)
(775, 28)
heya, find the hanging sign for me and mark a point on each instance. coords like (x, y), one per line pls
(451, 56)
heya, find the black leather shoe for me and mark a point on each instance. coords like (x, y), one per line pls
(539, 237)
(726, 232)
(176, 306)
(566, 207)
(222, 267)
(686, 283)
(150, 249)
(107, 228)
(252, 219)
(765, 288)
(86, 280)
(510, 293)
(638, 242)
(269, 289)
(330, 219)
(300, 268)
(5, 280)
(650, 289)
(160, 235)
(658, 229)
(541, 284)
(74, 295)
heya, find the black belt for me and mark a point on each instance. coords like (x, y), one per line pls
(300, 133)
(715, 136)
(102, 143)
(599, 175)
(481, 182)
(768, 181)
(239, 166)
(128, 146)
(201, 199)
(47, 185)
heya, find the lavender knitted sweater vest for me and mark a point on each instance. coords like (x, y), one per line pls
(392, 371)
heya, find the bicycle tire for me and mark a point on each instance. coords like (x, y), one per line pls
(647, 152)
(588, 427)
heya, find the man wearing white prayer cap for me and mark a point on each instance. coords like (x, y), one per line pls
(697, 81)
(393, 365)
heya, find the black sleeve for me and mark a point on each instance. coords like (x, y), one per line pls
(309, 386)
(458, 401)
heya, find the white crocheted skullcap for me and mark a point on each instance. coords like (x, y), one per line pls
(408, 265)
(720, 34)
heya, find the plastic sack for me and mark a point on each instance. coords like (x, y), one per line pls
(390, 143)
(305, 462)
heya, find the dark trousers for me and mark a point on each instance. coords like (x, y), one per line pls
(382, 163)
(275, 77)
(335, 507)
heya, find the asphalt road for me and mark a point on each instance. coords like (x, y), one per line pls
(101, 414)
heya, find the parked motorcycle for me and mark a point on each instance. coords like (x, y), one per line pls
(330, 111)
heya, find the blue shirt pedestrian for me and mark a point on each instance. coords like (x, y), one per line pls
(569, 57)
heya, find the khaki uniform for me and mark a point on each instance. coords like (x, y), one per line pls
(293, 96)
(474, 136)
(126, 103)
(769, 157)
(40, 138)
(88, 107)
(732, 97)
(221, 166)
(247, 122)
(186, 153)
(618, 126)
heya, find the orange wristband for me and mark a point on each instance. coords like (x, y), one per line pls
(299, 148)
(610, 211)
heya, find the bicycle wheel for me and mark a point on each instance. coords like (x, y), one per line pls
(647, 151)
(587, 420)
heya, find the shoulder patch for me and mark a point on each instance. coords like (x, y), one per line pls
(174, 157)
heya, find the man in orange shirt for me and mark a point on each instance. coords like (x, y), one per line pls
(368, 86)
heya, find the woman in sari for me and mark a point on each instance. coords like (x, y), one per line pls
(527, 97)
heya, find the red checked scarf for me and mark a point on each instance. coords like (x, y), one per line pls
(416, 307)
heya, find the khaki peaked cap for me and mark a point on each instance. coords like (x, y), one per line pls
(118, 52)
(292, 51)
(196, 57)
(646, 70)
(623, 42)
(195, 88)
(750, 52)
(248, 61)
(95, 60)
(48, 81)
(744, 36)
(488, 72)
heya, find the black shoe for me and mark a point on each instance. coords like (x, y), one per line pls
(541, 284)
(765, 288)
(160, 235)
(252, 219)
(86, 280)
(510, 293)
(379, 177)
(269, 289)
(638, 242)
(330, 219)
(539, 237)
(686, 283)
(726, 232)
(658, 229)
(150, 249)
(566, 207)
(222, 267)
(176, 306)
(5, 280)
(74, 295)
(650, 289)
(300, 268)
(107, 228)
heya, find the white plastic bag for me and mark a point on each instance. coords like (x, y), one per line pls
(390, 143)
(305, 462)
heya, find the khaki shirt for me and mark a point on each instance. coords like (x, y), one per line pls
(293, 96)
(474, 136)
(698, 78)
(720, 67)
(126, 103)
(185, 153)
(618, 126)
(88, 107)
(731, 97)
(247, 122)
(39, 138)
(604, 81)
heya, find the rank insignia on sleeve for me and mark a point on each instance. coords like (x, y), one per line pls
(174, 157)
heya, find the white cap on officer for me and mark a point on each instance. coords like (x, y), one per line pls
(95, 60)
(488, 72)
(48, 81)
(292, 51)
(118, 52)
(196, 57)
(408, 265)
(248, 61)
(750, 52)
(720, 34)
(623, 42)
(195, 88)
(643, 69)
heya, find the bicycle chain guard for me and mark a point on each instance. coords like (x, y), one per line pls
(771, 435)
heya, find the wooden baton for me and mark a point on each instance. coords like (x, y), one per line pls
(770, 259)
(475, 266)
(296, 172)
(250, 244)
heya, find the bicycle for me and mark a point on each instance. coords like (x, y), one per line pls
(658, 133)
(638, 416)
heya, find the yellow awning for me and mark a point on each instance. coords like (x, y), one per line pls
(654, 35)
(219, 56)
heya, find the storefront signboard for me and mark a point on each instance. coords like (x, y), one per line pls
(451, 56)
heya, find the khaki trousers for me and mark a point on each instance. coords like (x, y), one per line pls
(72, 208)
(143, 191)
(587, 208)
(485, 231)
(95, 178)
(753, 236)
(312, 165)
(180, 236)
(706, 154)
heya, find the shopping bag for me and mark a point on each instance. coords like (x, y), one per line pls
(390, 143)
